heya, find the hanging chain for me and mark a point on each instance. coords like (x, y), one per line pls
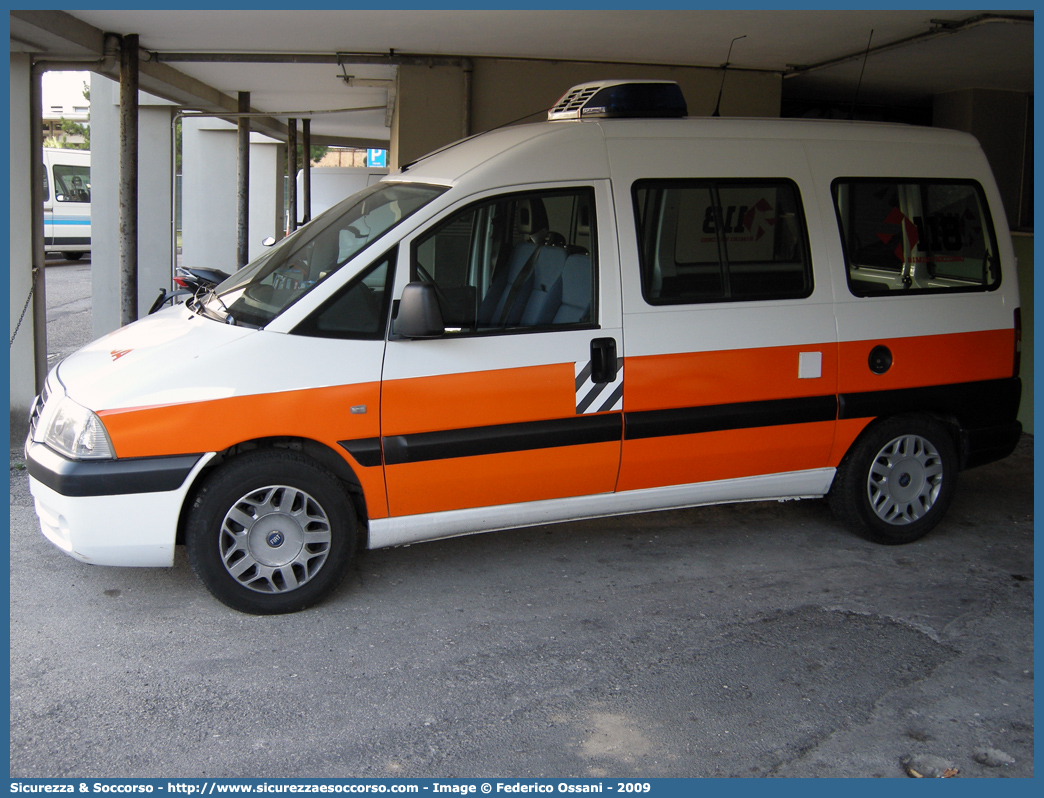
(21, 318)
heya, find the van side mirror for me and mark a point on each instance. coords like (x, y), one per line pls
(268, 241)
(419, 313)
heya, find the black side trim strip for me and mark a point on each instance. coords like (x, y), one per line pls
(501, 438)
(975, 404)
(58, 241)
(107, 477)
(366, 451)
(715, 418)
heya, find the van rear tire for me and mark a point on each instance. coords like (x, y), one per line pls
(896, 482)
(271, 532)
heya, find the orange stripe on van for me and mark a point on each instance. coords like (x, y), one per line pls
(495, 479)
(321, 414)
(489, 399)
(696, 379)
(847, 430)
(478, 399)
(728, 454)
(928, 360)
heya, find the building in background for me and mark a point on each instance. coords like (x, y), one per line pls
(66, 100)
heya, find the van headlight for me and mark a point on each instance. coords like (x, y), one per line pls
(76, 432)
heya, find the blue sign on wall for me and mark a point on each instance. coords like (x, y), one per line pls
(377, 158)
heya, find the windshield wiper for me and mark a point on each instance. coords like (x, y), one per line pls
(229, 318)
(201, 298)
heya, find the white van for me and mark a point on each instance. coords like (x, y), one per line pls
(67, 202)
(564, 320)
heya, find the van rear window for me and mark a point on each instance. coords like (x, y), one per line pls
(721, 241)
(915, 236)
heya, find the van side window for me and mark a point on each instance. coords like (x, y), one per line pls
(359, 310)
(518, 262)
(915, 235)
(72, 183)
(721, 241)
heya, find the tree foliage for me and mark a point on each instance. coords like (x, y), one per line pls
(71, 128)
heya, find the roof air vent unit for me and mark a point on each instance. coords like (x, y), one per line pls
(635, 99)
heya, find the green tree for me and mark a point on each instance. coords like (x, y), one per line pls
(71, 128)
(316, 152)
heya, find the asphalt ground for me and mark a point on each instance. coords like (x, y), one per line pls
(757, 640)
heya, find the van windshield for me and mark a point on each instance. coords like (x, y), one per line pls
(263, 289)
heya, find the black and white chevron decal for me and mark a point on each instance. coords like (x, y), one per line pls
(598, 397)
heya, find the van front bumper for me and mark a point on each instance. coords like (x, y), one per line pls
(111, 512)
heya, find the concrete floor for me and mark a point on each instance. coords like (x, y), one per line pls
(743, 640)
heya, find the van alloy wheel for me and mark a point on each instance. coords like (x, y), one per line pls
(274, 539)
(271, 531)
(905, 480)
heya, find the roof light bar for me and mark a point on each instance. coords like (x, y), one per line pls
(634, 99)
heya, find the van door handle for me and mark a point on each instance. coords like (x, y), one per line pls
(603, 359)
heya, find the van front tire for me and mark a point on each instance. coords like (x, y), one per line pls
(271, 532)
(897, 480)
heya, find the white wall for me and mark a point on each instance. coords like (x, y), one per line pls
(209, 184)
(154, 201)
(22, 369)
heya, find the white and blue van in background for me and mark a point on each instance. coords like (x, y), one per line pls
(67, 202)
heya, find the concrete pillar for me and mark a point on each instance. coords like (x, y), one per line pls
(998, 120)
(155, 203)
(209, 182)
(427, 111)
(264, 153)
(21, 365)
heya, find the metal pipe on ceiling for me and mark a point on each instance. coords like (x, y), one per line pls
(341, 58)
(190, 112)
(941, 28)
(370, 59)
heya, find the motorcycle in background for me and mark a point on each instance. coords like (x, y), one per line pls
(188, 282)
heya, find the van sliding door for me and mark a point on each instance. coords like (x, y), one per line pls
(732, 362)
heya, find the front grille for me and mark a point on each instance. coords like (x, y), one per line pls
(36, 410)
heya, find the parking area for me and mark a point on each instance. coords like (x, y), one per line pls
(742, 640)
